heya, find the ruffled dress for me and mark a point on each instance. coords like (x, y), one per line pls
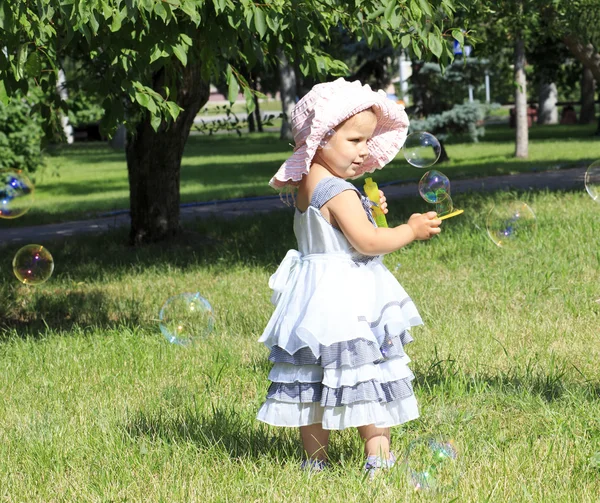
(337, 335)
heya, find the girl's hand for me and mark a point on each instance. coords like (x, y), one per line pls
(425, 226)
(382, 202)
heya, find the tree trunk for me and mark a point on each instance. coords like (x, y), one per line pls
(251, 125)
(154, 161)
(588, 91)
(61, 88)
(287, 92)
(548, 113)
(522, 129)
(259, 124)
(586, 54)
(443, 153)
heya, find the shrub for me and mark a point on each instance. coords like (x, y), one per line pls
(20, 137)
(464, 118)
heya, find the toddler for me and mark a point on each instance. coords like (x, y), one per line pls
(341, 321)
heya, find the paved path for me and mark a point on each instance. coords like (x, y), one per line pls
(556, 179)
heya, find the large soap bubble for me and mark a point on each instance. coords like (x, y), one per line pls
(432, 464)
(592, 180)
(421, 149)
(185, 318)
(511, 224)
(16, 193)
(434, 186)
(33, 264)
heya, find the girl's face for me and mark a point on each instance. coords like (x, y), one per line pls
(347, 149)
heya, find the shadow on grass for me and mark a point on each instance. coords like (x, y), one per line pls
(549, 382)
(66, 309)
(223, 428)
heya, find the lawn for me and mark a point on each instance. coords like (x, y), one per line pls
(97, 406)
(86, 180)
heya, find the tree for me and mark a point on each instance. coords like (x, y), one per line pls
(153, 61)
(515, 22)
(577, 24)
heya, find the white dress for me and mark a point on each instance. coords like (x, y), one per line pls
(338, 332)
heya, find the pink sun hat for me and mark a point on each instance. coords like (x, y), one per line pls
(326, 106)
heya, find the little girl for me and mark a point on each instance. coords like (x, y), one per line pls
(341, 321)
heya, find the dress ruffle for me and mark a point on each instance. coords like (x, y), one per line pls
(382, 415)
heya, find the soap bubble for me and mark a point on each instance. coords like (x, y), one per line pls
(434, 186)
(432, 465)
(421, 149)
(185, 318)
(33, 264)
(592, 180)
(16, 193)
(511, 224)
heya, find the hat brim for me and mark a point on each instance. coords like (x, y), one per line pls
(387, 140)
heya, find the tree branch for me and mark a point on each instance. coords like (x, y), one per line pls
(586, 54)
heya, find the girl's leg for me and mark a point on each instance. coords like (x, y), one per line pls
(314, 441)
(377, 441)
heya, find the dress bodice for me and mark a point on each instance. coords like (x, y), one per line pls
(314, 233)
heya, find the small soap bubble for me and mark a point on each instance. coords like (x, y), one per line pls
(434, 186)
(16, 193)
(432, 464)
(421, 149)
(186, 318)
(33, 264)
(511, 225)
(592, 180)
(324, 143)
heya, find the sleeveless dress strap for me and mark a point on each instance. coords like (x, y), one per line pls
(328, 188)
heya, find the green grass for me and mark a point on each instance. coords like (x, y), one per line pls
(268, 105)
(85, 180)
(97, 406)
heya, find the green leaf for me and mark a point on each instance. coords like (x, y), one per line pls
(180, 53)
(435, 44)
(186, 39)
(425, 7)
(416, 49)
(250, 105)
(151, 106)
(4, 98)
(174, 109)
(458, 36)
(33, 66)
(260, 23)
(155, 121)
(273, 23)
(233, 89)
(160, 11)
(220, 5)
(21, 60)
(107, 12)
(115, 24)
(389, 9)
(405, 41)
(190, 8)
(157, 53)
(142, 99)
(415, 10)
